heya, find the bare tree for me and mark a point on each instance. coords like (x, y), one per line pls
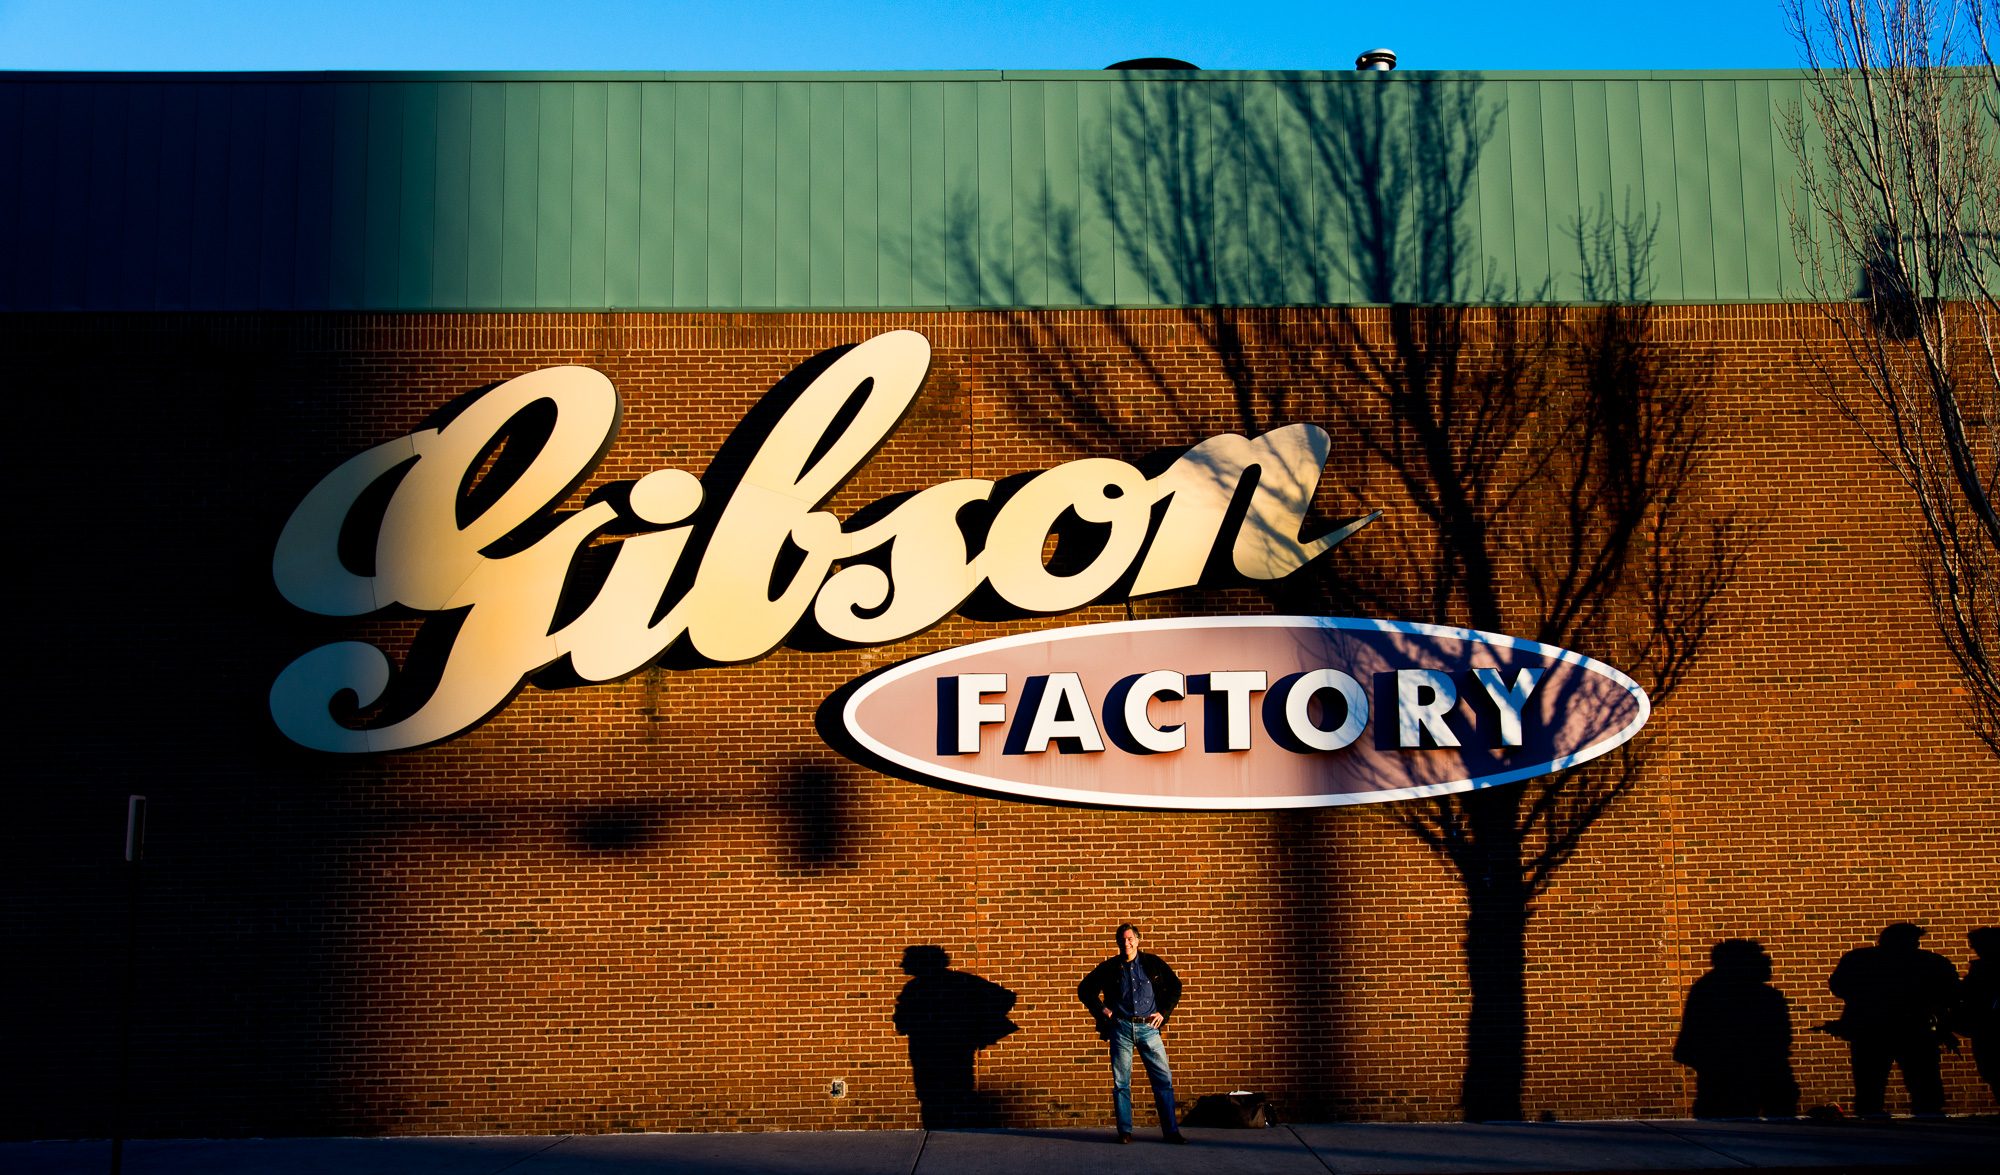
(1547, 460)
(1897, 220)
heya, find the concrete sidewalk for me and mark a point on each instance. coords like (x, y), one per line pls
(1348, 1149)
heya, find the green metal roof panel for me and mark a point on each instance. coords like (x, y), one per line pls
(865, 191)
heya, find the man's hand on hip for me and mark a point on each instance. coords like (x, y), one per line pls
(1156, 1019)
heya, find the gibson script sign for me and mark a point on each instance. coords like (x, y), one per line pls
(724, 568)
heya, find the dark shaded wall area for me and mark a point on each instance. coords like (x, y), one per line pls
(665, 904)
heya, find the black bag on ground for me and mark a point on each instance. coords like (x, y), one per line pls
(1233, 1111)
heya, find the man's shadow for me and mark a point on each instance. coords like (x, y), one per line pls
(1736, 1034)
(949, 1016)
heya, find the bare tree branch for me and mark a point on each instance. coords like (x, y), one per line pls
(1897, 221)
(1545, 463)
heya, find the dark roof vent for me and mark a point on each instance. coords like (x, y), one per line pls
(1376, 59)
(1161, 63)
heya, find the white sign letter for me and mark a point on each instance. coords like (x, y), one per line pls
(1509, 701)
(1414, 715)
(1298, 718)
(1079, 725)
(1236, 688)
(731, 614)
(1099, 489)
(973, 714)
(1138, 727)
(1204, 482)
(430, 560)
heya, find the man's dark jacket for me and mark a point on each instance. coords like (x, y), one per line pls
(1101, 985)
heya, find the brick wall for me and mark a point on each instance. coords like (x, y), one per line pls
(664, 904)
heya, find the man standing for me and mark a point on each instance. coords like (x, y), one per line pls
(1130, 996)
(1896, 995)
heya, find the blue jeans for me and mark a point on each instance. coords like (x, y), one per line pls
(1126, 1036)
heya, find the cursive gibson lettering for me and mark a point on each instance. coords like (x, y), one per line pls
(873, 583)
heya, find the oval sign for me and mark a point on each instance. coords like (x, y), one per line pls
(1237, 712)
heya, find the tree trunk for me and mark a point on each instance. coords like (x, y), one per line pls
(1497, 900)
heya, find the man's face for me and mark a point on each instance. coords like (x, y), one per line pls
(1128, 942)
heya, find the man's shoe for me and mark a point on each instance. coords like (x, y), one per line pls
(1124, 1136)
(1176, 1137)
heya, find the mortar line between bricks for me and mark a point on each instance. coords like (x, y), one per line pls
(1697, 1142)
(1310, 1149)
(922, 1142)
(534, 1154)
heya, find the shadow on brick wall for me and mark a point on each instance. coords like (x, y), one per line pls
(815, 810)
(949, 1016)
(1736, 1034)
(617, 829)
(1540, 467)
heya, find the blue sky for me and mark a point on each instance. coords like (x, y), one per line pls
(879, 34)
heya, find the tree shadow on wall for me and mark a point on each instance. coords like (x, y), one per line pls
(949, 1016)
(1542, 465)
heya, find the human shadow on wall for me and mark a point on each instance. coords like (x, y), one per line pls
(1896, 1003)
(949, 1016)
(1736, 1034)
(1542, 466)
(1979, 1005)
